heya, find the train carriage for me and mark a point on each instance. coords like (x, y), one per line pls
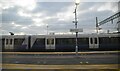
(86, 42)
(15, 43)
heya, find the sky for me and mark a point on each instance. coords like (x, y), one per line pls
(33, 17)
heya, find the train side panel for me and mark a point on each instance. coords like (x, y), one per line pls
(65, 44)
(83, 44)
(38, 44)
(109, 43)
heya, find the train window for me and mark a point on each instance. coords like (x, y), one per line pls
(91, 40)
(65, 41)
(18, 41)
(59, 41)
(104, 40)
(71, 41)
(114, 40)
(95, 40)
(7, 41)
(3, 42)
(10, 41)
(40, 41)
(47, 41)
(50, 41)
(83, 41)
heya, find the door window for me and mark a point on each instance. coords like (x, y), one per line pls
(95, 40)
(7, 41)
(50, 41)
(91, 40)
(10, 41)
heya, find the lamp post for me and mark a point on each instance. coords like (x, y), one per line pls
(11, 33)
(47, 28)
(75, 12)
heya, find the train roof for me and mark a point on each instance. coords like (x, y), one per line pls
(63, 36)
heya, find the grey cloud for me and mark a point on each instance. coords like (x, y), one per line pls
(10, 15)
(50, 21)
(87, 5)
(88, 18)
(60, 26)
(25, 21)
(51, 8)
(9, 27)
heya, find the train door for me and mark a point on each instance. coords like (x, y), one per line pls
(9, 43)
(50, 43)
(93, 42)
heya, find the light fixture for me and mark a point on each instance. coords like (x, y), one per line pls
(77, 2)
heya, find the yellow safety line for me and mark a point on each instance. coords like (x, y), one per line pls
(31, 66)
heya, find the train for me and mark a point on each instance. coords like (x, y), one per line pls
(60, 43)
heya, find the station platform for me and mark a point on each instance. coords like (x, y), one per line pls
(86, 52)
